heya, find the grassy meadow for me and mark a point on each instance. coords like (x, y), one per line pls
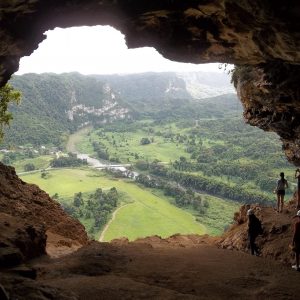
(126, 145)
(40, 162)
(146, 214)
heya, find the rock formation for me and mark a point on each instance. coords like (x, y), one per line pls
(277, 232)
(31, 223)
(261, 36)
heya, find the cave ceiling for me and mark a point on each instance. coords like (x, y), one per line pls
(261, 37)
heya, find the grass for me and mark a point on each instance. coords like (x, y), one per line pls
(218, 215)
(128, 144)
(148, 214)
(67, 182)
(125, 145)
(40, 162)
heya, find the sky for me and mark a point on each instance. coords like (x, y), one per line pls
(98, 50)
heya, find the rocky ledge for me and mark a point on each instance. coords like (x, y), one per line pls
(31, 223)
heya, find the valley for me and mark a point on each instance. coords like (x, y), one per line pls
(187, 163)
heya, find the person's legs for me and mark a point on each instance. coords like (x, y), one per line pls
(253, 247)
(251, 244)
(278, 202)
(297, 261)
(298, 198)
(281, 202)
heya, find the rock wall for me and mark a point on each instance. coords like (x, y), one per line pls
(270, 95)
(29, 218)
(261, 35)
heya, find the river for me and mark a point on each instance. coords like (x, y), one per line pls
(94, 162)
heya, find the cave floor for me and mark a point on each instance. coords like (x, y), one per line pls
(144, 271)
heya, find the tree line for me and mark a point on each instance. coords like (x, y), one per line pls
(96, 206)
(200, 183)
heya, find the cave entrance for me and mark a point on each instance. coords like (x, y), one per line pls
(166, 146)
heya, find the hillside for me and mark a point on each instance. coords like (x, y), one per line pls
(202, 85)
(54, 105)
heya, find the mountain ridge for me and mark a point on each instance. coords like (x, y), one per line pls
(54, 105)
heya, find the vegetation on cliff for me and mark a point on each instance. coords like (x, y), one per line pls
(7, 95)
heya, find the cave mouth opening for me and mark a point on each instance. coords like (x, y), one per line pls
(99, 50)
(84, 58)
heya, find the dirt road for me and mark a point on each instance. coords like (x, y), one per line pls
(107, 225)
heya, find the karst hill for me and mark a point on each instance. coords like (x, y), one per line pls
(262, 39)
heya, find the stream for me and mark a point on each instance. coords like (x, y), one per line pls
(94, 162)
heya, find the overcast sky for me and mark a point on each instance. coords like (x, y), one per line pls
(98, 50)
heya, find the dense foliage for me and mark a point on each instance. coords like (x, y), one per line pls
(183, 197)
(183, 182)
(67, 161)
(95, 206)
(54, 105)
(10, 157)
(7, 95)
(42, 117)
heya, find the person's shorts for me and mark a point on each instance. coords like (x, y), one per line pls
(281, 192)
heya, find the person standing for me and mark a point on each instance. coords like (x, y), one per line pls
(297, 176)
(254, 229)
(282, 184)
(296, 239)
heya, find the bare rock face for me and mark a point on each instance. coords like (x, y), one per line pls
(263, 36)
(29, 218)
(19, 240)
(270, 95)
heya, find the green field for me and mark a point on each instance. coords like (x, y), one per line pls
(126, 145)
(148, 214)
(40, 162)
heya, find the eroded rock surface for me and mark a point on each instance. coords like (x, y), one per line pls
(270, 95)
(30, 221)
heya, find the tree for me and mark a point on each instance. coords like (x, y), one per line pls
(55, 196)
(145, 141)
(44, 174)
(29, 167)
(7, 95)
(78, 201)
(142, 165)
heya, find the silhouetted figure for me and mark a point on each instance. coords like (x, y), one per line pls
(296, 240)
(282, 184)
(254, 229)
(297, 176)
